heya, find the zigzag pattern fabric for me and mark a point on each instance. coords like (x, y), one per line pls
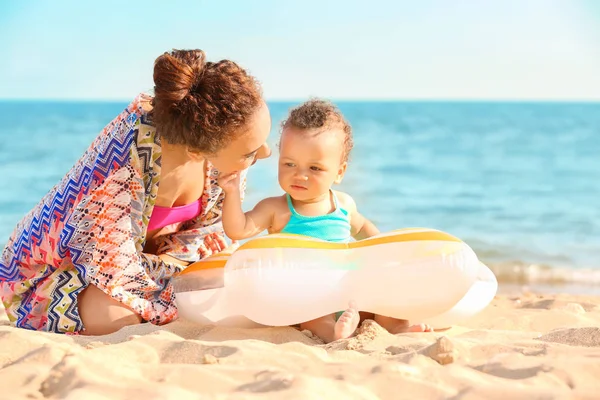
(90, 229)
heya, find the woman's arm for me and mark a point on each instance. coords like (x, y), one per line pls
(168, 259)
(104, 242)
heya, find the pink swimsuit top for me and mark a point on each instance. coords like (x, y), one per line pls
(163, 216)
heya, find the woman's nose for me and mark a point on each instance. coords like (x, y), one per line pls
(263, 152)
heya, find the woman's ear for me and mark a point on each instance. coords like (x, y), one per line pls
(340, 173)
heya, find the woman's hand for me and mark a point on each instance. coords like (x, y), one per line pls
(229, 183)
(213, 244)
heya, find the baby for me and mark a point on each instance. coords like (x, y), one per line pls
(313, 155)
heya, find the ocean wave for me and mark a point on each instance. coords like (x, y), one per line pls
(518, 272)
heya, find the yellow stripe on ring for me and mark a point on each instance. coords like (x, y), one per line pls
(300, 242)
(303, 242)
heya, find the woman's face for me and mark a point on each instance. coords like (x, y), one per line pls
(248, 147)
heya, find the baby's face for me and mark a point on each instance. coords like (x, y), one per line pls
(309, 163)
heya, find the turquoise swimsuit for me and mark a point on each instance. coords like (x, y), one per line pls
(332, 227)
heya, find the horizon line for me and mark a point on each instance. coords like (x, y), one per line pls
(333, 99)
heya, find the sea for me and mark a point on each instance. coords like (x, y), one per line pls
(517, 181)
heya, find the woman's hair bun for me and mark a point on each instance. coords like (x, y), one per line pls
(201, 104)
(176, 73)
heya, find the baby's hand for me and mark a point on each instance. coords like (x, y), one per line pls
(229, 183)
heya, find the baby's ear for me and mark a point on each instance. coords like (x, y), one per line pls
(341, 172)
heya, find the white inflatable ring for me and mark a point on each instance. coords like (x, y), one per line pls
(422, 275)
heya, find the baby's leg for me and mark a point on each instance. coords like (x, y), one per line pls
(395, 325)
(328, 329)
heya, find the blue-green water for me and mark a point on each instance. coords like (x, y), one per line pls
(519, 182)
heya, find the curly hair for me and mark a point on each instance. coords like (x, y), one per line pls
(201, 104)
(319, 114)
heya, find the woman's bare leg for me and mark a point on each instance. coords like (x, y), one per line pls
(101, 314)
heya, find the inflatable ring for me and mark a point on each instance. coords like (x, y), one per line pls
(422, 275)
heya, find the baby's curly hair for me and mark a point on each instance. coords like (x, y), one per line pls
(319, 114)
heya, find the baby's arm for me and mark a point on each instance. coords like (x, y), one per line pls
(237, 224)
(361, 227)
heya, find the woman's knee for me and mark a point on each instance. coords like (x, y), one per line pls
(101, 314)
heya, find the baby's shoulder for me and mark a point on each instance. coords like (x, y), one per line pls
(274, 203)
(345, 201)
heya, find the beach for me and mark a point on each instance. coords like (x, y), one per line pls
(512, 180)
(478, 120)
(524, 345)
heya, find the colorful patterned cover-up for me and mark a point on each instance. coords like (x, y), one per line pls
(90, 229)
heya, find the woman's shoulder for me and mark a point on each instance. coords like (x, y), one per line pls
(141, 106)
(144, 101)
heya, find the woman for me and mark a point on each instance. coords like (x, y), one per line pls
(99, 250)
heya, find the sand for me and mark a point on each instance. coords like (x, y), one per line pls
(523, 346)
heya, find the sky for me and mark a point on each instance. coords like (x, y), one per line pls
(354, 50)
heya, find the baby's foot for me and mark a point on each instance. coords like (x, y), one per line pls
(404, 327)
(395, 325)
(346, 324)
